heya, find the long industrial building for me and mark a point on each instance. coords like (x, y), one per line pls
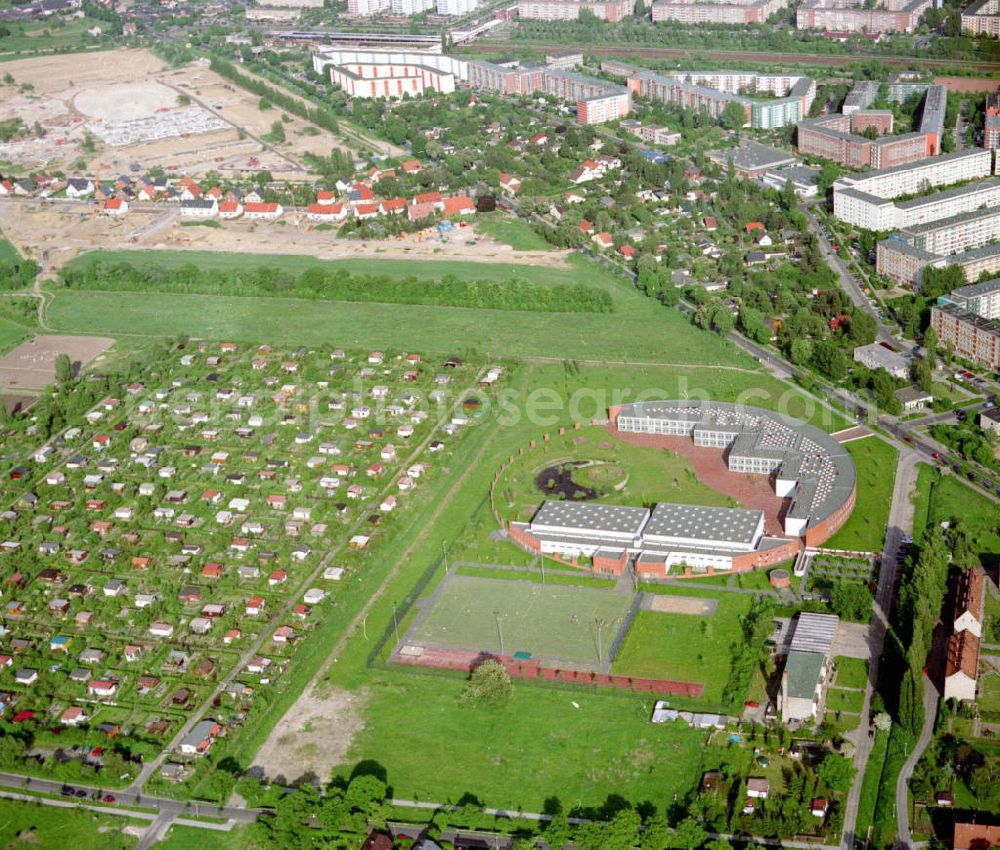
(790, 96)
(729, 12)
(854, 16)
(807, 467)
(866, 199)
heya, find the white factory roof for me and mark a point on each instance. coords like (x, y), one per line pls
(590, 516)
(814, 633)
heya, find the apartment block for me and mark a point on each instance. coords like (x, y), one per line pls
(982, 18)
(569, 10)
(969, 335)
(852, 16)
(732, 12)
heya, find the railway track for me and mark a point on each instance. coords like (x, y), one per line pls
(619, 50)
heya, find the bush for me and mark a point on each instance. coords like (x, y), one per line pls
(489, 684)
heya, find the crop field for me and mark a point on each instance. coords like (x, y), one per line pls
(189, 517)
(685, 647)
(546, 621)
(864, 531)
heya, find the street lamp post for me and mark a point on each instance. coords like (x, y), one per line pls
(499, 629)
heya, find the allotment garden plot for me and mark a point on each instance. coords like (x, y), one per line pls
(212, 506)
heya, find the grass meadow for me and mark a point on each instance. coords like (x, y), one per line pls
(666, 336)
(943, 498)
(31, 825)
(511, 231)
(685, 647)
(864, 531)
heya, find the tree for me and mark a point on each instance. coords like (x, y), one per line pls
(64, 369)
(691, 835)
(734, 116)
(921, 374)
(656, 835)
(851, 600)
(883, 722)
(911, 704)
(489, 683)
(830, 360)
(863, 327)
(722, 320)
(183, 99)
(931, 344)
(836, 772)
(277, 134)
(801, 351)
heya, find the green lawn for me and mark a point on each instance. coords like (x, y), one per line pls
(520, 235)
(576, 744)
(851, 672)
(875, 461)
(945, 497)
(626, 475)
(685, 647)
(11, 334)
(8, 253)
(28, 825)
(989, 695)
(194, 838)
(666, 335)
(841, 700)
(550, 621)
(35, 36)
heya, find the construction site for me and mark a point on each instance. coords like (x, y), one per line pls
(105, 115)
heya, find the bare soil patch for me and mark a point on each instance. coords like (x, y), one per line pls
(312, 738)
(682, 605)
(54, 234)
(32, 364)
(130, 98)
(968, 84)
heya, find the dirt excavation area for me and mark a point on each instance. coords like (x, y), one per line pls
(312, 738)
(55, 232)
(126, 111)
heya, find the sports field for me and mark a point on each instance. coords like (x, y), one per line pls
(556, 622)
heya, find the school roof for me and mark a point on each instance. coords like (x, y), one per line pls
(704, 523)
(590, 516)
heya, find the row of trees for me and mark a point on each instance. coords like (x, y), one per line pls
(340, 285)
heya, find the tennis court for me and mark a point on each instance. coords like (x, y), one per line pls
(547, 621)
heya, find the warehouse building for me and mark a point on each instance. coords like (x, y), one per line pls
(808, 668)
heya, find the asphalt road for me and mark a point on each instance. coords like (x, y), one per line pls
(175, 808)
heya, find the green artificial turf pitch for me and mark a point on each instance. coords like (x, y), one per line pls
(556, 622)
